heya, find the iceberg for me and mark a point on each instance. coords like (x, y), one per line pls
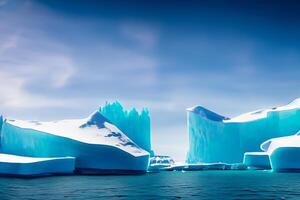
(136, 125)
(257, 160)
(236, 166)
(160, 162)
(28, 166)
(98, 146)
(284, 153)
(205, 166)
(215, 138)
(199, 167)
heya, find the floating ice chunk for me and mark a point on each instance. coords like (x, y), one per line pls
(284, 152)
(28, 166)
(286, 159)
(177, 167)
(257, 160)
(198, 167)
(238, 166)
(160, 163)
(205, 166)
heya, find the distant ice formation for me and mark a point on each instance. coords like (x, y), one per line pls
(97, 145)
(160, 162)
(136, 125)
(206, 166)
(215, 138)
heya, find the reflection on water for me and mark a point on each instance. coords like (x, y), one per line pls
(163, 185)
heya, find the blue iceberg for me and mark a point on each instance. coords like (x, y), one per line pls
(160, 163)
(257, 160)
(30, 167)
(284, 153)
(98, 146)
(136, 125)
(215, 138)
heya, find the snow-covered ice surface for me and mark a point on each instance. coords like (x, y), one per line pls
(29, 166)
(160, 162)
(264, 113)
(215, 138)
(97, 144)
(284, 152)
(92, 130)
(274, 143)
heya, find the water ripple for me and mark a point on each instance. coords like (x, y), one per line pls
(164, 185)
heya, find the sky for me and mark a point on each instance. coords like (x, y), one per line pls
(64, 59)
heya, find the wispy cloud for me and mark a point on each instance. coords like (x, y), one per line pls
(3, 2)
(140, 34)
(44, 71)
(28, 56)
(15, 95)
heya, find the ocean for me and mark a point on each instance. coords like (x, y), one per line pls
(161, 185)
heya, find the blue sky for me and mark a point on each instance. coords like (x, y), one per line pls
(63, 59)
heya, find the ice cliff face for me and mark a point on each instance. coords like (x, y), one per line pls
(214, 138)
(97, 145)
(136, 125)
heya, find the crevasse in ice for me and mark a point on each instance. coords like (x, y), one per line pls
(136, 125)
(214, 138)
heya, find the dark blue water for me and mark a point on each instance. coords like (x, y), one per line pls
(163, 185)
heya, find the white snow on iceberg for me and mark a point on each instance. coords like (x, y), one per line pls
(160, 162)
(97, 145)
(29, 166)
(284, 152)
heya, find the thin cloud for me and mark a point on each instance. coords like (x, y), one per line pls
(30, 57)
(145, 36)
(3, 2)
(16, 96)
